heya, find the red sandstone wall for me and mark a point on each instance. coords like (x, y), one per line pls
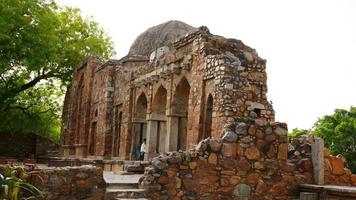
(231, 72)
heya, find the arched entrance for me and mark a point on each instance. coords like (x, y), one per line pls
(77, 121)
(139, 125)
(117, 130)
(177, 138)
(156, 130)
(159, 115)
(93, 131)
(208, 117)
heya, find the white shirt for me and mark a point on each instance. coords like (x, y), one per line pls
(143, 147)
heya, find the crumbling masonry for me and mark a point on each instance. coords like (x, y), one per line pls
(177, 86)
(186, 89)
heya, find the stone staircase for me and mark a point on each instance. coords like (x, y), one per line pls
(124, 185)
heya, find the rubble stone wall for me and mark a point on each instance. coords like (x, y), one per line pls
(63, 183)
(182, 92)
(250, 161)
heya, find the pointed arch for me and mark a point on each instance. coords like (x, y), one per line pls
(139, 125)
(181, 98)
(141, 107)
(180, 108)
(79, 107)
(92, 139)
(160, 101)
(117, 130)
(208, 116)
(159, 105)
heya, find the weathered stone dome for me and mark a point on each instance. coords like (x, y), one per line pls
(157, 36)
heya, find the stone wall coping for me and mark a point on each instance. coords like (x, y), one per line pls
(329, 188)
(82, 167)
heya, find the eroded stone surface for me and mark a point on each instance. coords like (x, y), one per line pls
(246, 171)
(202, 97)
(178, 83)
(83, 182)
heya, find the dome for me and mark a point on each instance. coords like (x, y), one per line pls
(157, 36)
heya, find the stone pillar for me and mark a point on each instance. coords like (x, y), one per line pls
(151, 139)
(79, 150)
(318, 160)
(172, 133)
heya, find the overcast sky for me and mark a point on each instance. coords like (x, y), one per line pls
(310, 45)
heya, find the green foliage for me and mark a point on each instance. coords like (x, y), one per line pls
(13, 181)
(339, 133)
(298, 132)
(38, 112)
(40, 45)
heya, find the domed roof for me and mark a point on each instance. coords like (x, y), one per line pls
(157, 36)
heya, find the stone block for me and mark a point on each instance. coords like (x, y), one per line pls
(337, 165)
(253, 178)
(261, 187)
(213, 159)
(260, 134)
(287, 167)
(243, 165)
(242, 190)
(281, 131)
(229, 137)
(305, 165)
(327, 152)
(234, 180)
(215, 145)
(229, 150)
(283, 151)
(353, 179)
(252, 153)
(192, 165)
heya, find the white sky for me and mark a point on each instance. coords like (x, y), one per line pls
(310, 45)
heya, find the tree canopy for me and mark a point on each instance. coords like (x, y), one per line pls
(298, 132)
(40, 45)
(339, 133)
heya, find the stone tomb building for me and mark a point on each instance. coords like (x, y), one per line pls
(177, 86)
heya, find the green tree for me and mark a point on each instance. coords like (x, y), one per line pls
(298, 132)
(40, 45)
(339, 133)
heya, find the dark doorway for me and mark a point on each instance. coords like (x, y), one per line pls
(208, 118)
(92, 138)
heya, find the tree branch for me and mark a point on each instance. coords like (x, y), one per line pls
(33, 82)
(23, 109)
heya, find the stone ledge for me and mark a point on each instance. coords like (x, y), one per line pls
(329, 189)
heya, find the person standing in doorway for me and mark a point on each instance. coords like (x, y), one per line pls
(143, 149)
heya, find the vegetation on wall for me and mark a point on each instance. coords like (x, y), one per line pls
(339, 133)
(40, 45)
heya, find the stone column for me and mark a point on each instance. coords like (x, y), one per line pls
(172, 133)
(79, 150)
(151, 139)
(318, 160)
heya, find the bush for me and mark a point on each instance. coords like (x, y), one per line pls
(13, 185)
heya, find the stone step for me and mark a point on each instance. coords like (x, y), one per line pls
(134, 168)
(124, 193)
(124, 173)
(115, 181)
(122, 186)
